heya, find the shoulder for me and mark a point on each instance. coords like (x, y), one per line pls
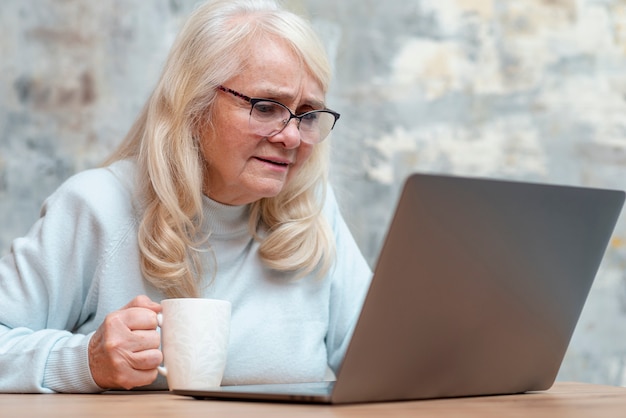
(107, 190)
(99, 183)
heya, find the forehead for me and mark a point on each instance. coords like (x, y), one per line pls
(272, 69)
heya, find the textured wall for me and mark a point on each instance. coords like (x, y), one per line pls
(532, 90)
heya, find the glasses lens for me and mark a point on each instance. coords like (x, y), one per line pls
(268, 118)
(316, 125)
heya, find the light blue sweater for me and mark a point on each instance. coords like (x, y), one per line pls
(80, 261)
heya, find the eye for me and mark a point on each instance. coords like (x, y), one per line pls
(266, 107)
(311, 116)
(268, 111)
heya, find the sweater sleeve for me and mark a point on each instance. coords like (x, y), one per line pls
(45, 283)
(350, 278)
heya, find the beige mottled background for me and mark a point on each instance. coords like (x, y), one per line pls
(525, 89)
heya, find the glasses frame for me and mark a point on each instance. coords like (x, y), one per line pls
(254, 100)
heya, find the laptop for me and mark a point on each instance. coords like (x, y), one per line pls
(477, 290)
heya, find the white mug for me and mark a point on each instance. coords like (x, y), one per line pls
(194, 341)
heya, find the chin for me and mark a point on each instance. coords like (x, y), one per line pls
(269, 192)
(265, 189)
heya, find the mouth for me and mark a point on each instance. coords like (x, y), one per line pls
(278, 163)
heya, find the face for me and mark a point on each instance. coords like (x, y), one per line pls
(242, 167)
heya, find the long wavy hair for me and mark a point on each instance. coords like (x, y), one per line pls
(210, 49)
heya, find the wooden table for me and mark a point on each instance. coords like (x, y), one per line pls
(563, 400)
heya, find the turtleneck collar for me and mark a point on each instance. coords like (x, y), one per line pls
(221, 219)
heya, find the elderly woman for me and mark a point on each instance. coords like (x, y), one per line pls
(220, 191)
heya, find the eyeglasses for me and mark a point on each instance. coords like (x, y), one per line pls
(269, 117)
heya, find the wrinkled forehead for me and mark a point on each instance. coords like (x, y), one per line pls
(304, 57)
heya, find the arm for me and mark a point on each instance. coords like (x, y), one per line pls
(50, 289)
(42, 291)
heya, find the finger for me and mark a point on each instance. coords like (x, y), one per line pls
(134, 342)
(115, 352)
(143, 301)
(138, 318)
(133, 378)
(142, 340)
(146, 359)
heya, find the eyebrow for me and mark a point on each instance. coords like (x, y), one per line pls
(281, 97)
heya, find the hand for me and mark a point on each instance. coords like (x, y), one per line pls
(124, 351)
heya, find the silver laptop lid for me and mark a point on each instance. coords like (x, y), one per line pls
(477, 289)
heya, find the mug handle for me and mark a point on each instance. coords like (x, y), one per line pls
(161, 369)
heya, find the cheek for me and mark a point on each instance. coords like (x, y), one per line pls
(220, 141)
(304, 153)
(206, 145)
(207, 136)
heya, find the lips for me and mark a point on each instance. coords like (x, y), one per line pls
(277, 161)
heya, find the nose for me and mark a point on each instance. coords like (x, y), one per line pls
(289, 136)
